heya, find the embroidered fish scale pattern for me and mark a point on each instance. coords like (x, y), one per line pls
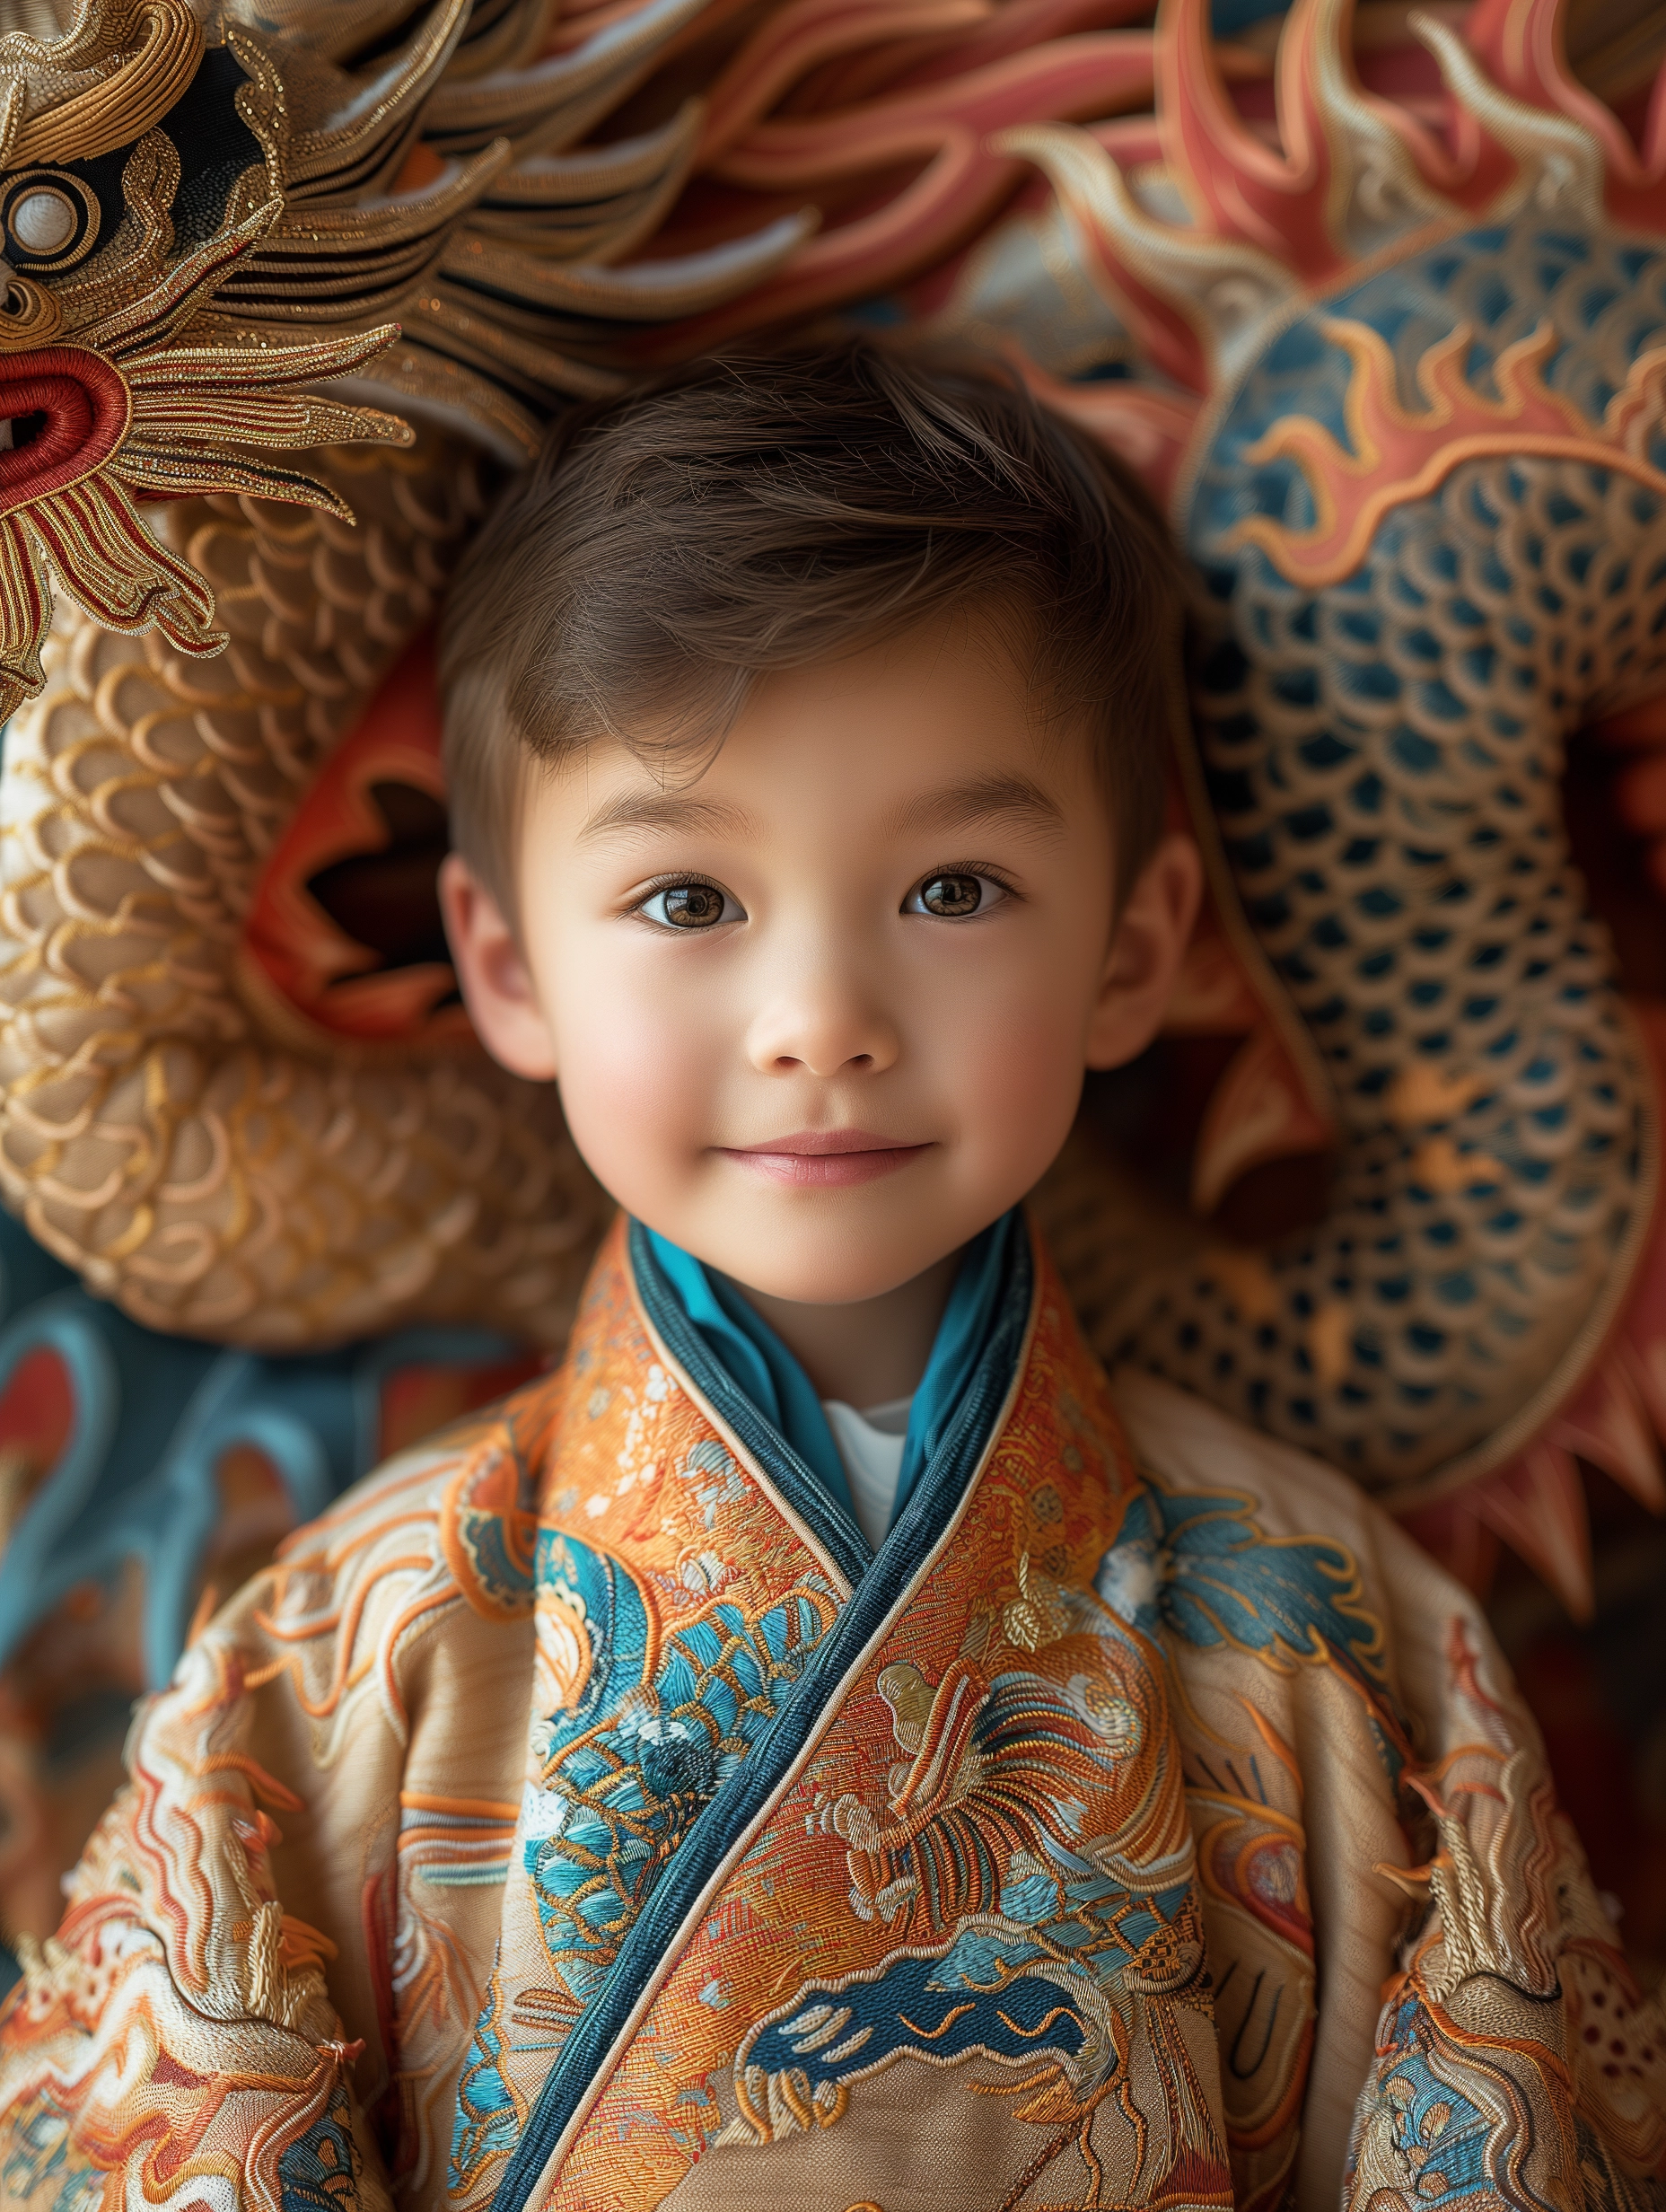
(618, 1799)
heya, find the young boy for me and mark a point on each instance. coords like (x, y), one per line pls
(825, 1747)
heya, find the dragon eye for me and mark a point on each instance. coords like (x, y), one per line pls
(50, 220)
(43, 222)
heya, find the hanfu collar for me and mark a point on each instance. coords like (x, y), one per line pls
(761, 1367)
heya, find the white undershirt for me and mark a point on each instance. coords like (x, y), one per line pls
(870, 1443)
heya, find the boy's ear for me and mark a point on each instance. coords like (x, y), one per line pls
(492, 971)
(1146, 953)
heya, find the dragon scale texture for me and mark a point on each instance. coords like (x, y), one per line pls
(1382, 758)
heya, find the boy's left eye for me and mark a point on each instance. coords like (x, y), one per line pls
(953, 894)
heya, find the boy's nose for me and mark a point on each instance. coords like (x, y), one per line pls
(827, 1030)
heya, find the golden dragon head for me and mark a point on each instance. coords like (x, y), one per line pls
(207, 211)
(142, 168)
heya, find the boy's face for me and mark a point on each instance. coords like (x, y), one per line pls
(821, 1015)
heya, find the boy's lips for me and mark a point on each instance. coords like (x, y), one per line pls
(824, 1157)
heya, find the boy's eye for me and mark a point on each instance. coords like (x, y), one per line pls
(690, 905)
(953, 895)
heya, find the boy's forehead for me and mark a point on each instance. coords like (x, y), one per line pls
(908, 736)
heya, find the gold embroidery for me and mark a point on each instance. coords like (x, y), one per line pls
(117, 108)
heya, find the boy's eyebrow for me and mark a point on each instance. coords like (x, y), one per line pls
(956, 806)
(982, 799)
(664, 810)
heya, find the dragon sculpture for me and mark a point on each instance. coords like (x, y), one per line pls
(1378, 308)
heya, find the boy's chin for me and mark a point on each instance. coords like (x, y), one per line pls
(816, 1269)
(822, 1246)
(831, 1286)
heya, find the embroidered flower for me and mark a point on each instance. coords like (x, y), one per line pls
(677, 1757)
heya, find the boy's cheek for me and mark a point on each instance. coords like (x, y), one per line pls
(1020, 1089)
(637, 1088)
(1024, 1115)
(631, 1157)
(1018, 1040)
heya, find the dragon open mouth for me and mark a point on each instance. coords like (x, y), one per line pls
(63, 413)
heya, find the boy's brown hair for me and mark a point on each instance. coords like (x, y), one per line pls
(743, 514)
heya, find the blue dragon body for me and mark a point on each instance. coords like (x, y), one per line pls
(1383, 758)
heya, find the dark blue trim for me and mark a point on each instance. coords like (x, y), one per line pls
(736, 1803)
(962, 1334)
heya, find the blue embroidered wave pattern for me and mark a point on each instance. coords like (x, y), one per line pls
(1056, 1995)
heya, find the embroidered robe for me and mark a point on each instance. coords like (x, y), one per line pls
(577, 1817)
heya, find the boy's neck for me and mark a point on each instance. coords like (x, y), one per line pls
(872, 1351)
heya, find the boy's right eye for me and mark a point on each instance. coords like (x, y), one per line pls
(690, 905)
